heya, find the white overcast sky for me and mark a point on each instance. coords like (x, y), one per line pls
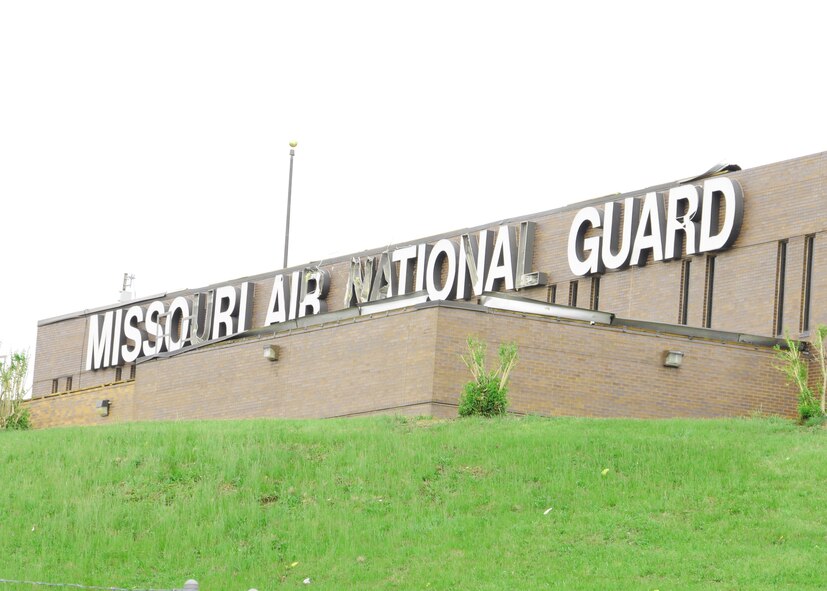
(152, 137)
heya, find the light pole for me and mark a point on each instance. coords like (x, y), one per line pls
(293, 144)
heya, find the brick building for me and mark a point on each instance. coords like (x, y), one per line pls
(595, 295)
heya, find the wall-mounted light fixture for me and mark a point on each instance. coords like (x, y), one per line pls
(673, 358)
(102, 407)
(271, 352)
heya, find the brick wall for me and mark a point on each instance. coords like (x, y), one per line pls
(355, 367)
(783, 201)
(78, 408)
(602, 371)
(409, 362)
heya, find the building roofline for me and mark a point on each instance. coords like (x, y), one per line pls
(426, 239)
(560, 313)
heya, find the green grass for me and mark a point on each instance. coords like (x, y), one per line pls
(394, 503)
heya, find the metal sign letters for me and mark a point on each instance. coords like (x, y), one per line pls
(608, 239)
(692, 218)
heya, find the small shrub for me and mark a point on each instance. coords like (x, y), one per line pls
(19, 420)
(795, 366)
(819, 343)
(486, 394)
(483, 399)
(808, 407)
(13, 371)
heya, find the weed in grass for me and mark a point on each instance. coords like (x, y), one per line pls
(817, 420)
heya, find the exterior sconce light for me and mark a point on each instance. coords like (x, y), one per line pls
(102, 407)
(271, 352)
(673, 359)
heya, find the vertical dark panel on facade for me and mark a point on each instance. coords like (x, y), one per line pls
(573, 293)
(709, 284)
(807, 282)
(683, 303)
(780, 272)
(594, 297)
(551, 296)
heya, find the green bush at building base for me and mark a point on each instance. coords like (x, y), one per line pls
(486, 394)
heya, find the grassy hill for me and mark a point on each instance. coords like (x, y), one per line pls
(394, 503)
